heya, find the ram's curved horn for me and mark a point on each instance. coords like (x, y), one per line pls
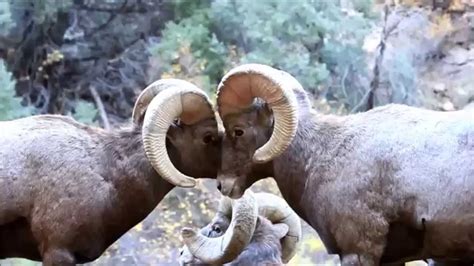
(145, 97)
(227, 247)
(225, 207)
(277, 210)
(241, 85)
(161, 103)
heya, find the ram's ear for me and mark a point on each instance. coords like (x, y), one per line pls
(174, 132)
(265, 115)
(280, 230)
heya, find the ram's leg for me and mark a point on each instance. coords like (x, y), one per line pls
(58, 257)
(361, 238)
(358, 260)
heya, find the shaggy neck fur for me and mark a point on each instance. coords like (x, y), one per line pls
(319, 139)
(139, 187)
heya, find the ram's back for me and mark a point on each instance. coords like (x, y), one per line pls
(422, 157)
(44, 158)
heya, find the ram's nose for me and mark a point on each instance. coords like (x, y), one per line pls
(225, 187)
(229, 187)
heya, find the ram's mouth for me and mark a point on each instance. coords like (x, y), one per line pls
(231, 187)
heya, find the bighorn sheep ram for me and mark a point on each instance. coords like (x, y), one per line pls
(68, 191)
(250, 240)
(392, 184)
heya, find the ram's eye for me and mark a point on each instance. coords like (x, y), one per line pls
(238, 132)
(208, 138)
(216, 229)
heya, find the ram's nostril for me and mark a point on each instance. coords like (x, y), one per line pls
(219, 185)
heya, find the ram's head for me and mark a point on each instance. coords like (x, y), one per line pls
(259, 107)
(255, 219)
(175, 116)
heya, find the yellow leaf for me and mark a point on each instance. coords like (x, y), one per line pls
(315, 244)
(441, 25)
(185, 49)
(166, 75)
(139, 227)
(459, 5)
(176, 68)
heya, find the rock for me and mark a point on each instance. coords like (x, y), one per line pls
(429, 57)
(459, 56)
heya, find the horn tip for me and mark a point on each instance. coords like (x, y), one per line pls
(187, 232)
(188, 183)
(260, 158)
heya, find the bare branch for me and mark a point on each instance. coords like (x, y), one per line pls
(361, 102)
(374, 84)
(100, 107)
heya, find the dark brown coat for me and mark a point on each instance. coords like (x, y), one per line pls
(68, 191)
(391, 184)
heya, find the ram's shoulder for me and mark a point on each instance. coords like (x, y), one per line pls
(403, 115)
(47, 125)
(400, 110)
(46, 134)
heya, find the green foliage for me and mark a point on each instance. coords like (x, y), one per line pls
(43, 10)
(310, 40)
(190, 45)
(186, 8)
(364, 6)
(85, 112)
(192, 31)
(286, 41)
(5, 17)
(10, 105)
(313, 40)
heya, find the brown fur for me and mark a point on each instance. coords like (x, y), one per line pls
(389, 185)
(68, 191)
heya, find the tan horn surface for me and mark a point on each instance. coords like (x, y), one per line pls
(225, 206)
(147, 95)
(227, 247)
(189, 104)
(277, 210)
(241, 85)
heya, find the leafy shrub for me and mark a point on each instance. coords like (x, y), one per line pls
(42, 10)
(186, 8)
(85, 112)
(286, 41)
(189, 49)
(315, 40)
(5, 17)
(10, 105)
